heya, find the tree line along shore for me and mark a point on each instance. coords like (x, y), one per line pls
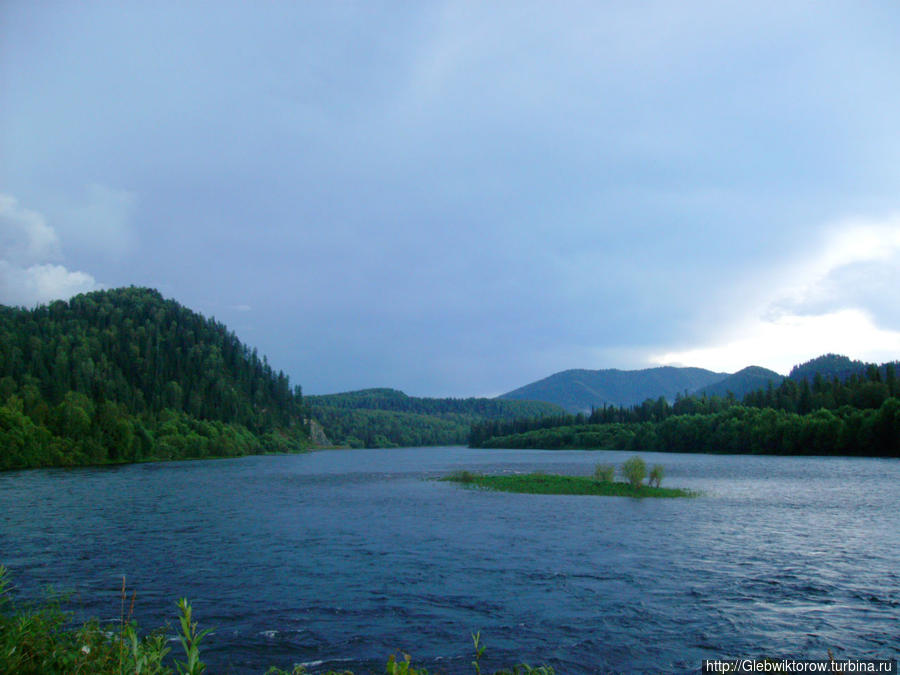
(125, 375)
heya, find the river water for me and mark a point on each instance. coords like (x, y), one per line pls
(337, 559)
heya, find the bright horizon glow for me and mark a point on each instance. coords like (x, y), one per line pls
(793, 323)
(788, 341)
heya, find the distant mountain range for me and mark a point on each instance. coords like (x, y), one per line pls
(581, 390)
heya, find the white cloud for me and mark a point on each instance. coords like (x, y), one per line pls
(841, 299)
(25, 237)
(38, 284)
(855, 256)
(27, 247)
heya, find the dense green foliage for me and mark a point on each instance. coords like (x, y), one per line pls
(41, 639)
(828, 366)
(124, 375)
(554, 484)
(583, 390)
(856, 416)
(390, 418)
(360, 428)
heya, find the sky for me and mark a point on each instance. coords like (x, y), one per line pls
(459, 198)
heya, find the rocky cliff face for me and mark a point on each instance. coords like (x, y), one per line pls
(317, 434)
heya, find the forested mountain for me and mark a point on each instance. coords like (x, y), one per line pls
(387, 417)
(583, 390)
(827, 366)
(859, 415)
(741, 383)
(123, 375)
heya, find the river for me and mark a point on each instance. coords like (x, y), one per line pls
(336, 559)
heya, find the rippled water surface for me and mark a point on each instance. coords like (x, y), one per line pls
(337, 559)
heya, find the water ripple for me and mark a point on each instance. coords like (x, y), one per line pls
(338, 559)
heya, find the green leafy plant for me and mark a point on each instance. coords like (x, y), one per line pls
(190, 640)
(297, 670)
(656, 474)
(634, 470)
(395, 667)
(604, 473)
(479, 650)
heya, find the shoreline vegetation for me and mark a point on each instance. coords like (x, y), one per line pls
(387, 418)
(41, 638)
(601, 484)
(124, 375)
(856, 417)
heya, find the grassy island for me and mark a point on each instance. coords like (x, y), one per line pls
(600, 484)
(554, 484)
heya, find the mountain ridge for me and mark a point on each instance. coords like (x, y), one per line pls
(741, 383)
(580, 390)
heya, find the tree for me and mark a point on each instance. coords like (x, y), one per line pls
(634, 470)
(656, 474)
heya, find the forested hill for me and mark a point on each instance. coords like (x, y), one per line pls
(387, 417)
(583, 390)
(124, 375)
(828, 366)
(744, 381)
(391, 399)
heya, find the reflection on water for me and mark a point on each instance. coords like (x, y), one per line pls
(340, 558)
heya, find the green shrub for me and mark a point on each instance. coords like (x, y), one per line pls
(634, 470)
(604, 473)
(462, 477)
(656, 474)
(37, 639)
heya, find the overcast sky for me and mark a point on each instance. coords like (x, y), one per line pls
(457, 199)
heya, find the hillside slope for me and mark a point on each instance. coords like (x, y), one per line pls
(828, 366)
(581, 390)
(741, 383)
(387, 417)
(124, 375)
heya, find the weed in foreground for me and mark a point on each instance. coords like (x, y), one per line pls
(39, 640)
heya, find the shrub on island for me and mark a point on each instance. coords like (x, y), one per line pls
(604, 473)
(634, 470)
(656, 475)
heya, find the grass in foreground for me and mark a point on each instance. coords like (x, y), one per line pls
(554, 484)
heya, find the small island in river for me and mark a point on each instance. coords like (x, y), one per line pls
(555, 484)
